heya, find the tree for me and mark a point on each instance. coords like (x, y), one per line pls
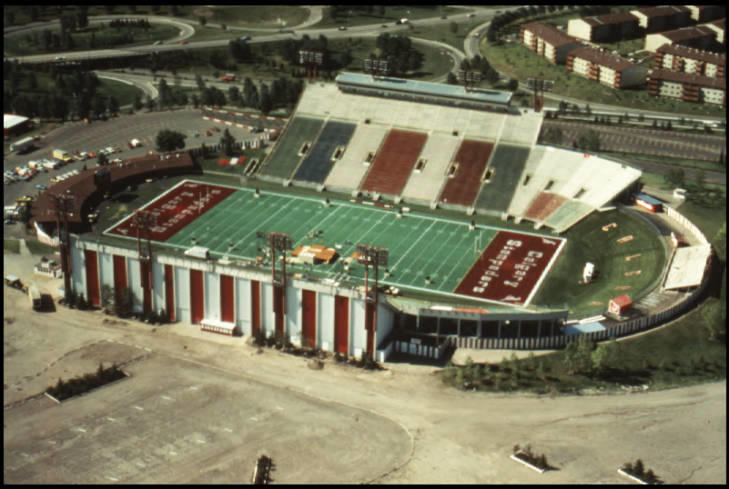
(227, 141)
(453, 28)
(451, 78)
(606, 356)
(588, 140)
(513, 85)
(101, 159)
(168, 140)
(202, 20)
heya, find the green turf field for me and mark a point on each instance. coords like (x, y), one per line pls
(586, 241)
(418, 245)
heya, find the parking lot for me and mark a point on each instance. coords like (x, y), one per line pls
(79, 136)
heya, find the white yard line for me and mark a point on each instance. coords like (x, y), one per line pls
(412, 246)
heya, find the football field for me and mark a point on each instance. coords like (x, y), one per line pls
(426, 253)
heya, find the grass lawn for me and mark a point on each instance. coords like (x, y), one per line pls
(124, 93)
(11, 245)
(263, 16)
(444, 34)
(586, 242)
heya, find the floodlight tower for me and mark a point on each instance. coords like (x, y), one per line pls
(374, 256)
(63, 204)
(278, 242)
(145, 220)
(376, 66)
(469, 78)
(311, 58)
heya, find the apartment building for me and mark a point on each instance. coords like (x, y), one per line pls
(690, 60)
(700, 37)
(689, 87)
(706, 13)
(718, 26)
(605, 28)
(547, 41)
(608, 69)
(657, 19)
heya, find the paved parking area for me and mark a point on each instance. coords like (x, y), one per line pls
(91, 137)
(656, 142)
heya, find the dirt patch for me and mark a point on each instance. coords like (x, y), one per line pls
(203, 12)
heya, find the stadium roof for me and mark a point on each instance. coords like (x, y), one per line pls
(687, 267)
(425, 88)
(12, 120)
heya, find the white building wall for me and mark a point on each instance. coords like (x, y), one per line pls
(243, 305)
(78, 268)
(268, 321)
(357, 333)
(294, 308)
(385, 320)
(710, 70)
(528, 36)
(211, 288)
(655, 41)
(579, 28)
(581, 67)
(607, 76)
(667, 62)
(158, 286)
(134, 277)
(711, 95)
(325, 321)
(106, 270)
(669, 89)
(182, 294)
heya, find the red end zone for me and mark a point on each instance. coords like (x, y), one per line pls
(510, 267)
(176, 209)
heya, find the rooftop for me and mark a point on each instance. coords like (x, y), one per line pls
(12, 120)
(425, 88)
(692, 78)
(685, 33)
(687, 267)
(616, 18)
(662, 11)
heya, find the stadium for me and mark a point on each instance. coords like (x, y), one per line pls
(396, 216)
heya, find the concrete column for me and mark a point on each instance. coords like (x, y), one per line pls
(518, 331)
(437, 328)
(417, 322)
(498, 335)
(458, 328)
(479, 331)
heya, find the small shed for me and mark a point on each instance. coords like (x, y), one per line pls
(620, 304)
(648, 202)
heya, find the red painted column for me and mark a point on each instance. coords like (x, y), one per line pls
(227, 309)
(255, 307)
(308, 317)
(196, 296)
(92, 278)
(169, 292)
(341, 324)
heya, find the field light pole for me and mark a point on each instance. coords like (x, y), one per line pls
(145, 220)
(374, 256)
(63, 204)
(279, 242)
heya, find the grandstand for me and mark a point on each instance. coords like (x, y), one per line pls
(426, 179)
(568, 214)
(394, 162)
(299, 133)
(543, 205)
(526, 189)
(465, 173)
(349, 171)
(333, 138)
(502, 178)
(687, 267)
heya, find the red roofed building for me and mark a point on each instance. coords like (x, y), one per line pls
(608, 69)
(547, 41)
(690, 60)
(605, 28)
(696, 36)
(718, 26)
(706, 13)
(620, 304)
(690, 87)
(656, 19)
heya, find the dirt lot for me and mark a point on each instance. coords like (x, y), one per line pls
(200, 407)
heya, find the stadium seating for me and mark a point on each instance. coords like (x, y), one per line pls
(425, 183)
(462, 187)
(392, 166)
(526, 190)
(507, 165)
(318, 163)
(568, 214)
(286, 156)
(543, 206)
(349, 171)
